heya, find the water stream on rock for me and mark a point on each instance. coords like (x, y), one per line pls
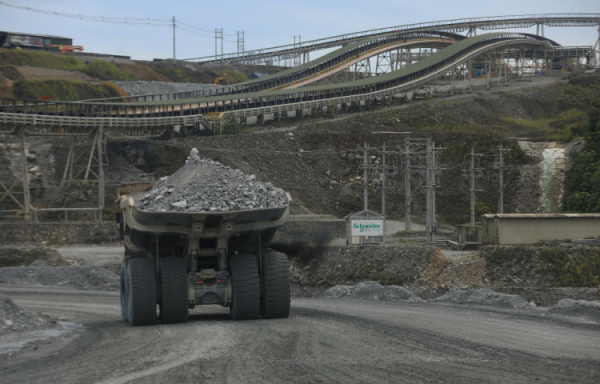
(551, 179)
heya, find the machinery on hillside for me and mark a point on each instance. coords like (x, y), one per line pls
(225, 76)
(182, 259)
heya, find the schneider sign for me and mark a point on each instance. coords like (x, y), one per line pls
(367, 227)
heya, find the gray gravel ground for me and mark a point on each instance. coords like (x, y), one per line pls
(483, 296)
(372, 291)
(579, 308)
(204, 185)
(135, 88)
(88, 277)
(323, 341)
(14, 318)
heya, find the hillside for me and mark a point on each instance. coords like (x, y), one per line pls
(73, 69)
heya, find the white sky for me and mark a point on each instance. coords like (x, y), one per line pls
(266, 23)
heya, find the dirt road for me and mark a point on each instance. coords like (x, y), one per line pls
(323, 341)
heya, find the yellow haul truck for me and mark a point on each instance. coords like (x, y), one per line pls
(178, 260)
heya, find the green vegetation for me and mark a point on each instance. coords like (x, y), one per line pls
(107, 71)
(62, 90)
(41, 60)
(234, 77)
(233, 125)
(582, 180)
(556, 267)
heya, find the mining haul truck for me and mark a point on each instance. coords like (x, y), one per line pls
(179, 260)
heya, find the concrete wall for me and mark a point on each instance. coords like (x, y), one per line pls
(531, 230)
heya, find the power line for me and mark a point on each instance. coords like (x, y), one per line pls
(114, 20)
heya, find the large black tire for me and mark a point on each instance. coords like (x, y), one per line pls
(142, 292)
(275, 300)
(173, 281)
(245, 286)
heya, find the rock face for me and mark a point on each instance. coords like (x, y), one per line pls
(204, 185)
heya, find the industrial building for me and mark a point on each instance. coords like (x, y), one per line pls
(28, 40)
(511, 229)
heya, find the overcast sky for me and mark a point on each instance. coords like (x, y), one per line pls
(266, 23)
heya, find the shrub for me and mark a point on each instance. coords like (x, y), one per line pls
(61, 90)
(108, 71)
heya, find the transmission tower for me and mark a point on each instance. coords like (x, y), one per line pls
(433, 171)
(500, 167)
(414, 174)
(473, 173)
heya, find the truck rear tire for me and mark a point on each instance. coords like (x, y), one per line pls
(173, 280)
(275, 301)
(142, 292)
(245, 286)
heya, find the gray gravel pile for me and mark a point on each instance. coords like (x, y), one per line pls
(372, 291)
(88, 277)
(134, 88)
(13, 318)
(578, 308)
(204, 185)
(483, 296)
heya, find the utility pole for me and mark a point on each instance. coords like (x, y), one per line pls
(433, 168)
(501, 167)
(385, 169)
(173, 39)
(407, 198)
(216, 52)
(501, 184)
(413, 148)
(365, 166)
(472, 173)
(221, 45)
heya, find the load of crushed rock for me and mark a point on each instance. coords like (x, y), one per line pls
(578, 308)
(87, 277)
(370, 290)
(13, 318)
(484, 297)
(205, 185)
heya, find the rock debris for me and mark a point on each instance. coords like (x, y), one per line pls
(205, 185)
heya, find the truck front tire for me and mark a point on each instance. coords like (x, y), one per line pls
(275, 301)
(245, 286)
(173, 279)
(141, 295)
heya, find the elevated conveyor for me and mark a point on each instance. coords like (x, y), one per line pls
(277, 101)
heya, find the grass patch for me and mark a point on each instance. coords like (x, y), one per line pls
(62, 90)
(41, 60)
(108, 71)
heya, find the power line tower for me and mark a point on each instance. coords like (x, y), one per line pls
(473, 173)
(414, 174)
(386, 170)
(434, 171)
(500, 166)
(218, 35)
(366, 166)
(240, 43)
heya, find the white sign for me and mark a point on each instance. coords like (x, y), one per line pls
(367, 228)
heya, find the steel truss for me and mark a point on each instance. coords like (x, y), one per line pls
(284, 52)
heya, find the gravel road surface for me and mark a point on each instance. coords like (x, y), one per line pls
(323, 341)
